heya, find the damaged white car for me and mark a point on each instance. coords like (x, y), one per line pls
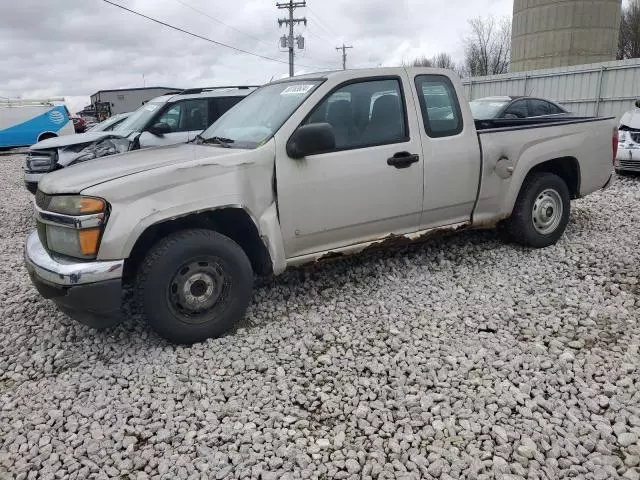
(628, 157)
(166, 120)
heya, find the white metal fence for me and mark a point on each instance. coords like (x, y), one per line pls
(599, 89)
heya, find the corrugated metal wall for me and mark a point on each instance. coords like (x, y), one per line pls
(599, 89)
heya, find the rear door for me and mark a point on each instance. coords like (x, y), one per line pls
(451, 153)
(370, 185)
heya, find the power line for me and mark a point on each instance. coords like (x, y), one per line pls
(221, 22)
(321, 24)
(313, 33)
(199, 36)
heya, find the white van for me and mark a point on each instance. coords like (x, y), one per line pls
(24, 122)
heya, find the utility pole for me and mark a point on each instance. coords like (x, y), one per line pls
(288, 41)
(344, 54)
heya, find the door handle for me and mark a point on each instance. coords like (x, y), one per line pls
(403, 159)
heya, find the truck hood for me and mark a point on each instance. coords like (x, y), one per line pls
(82, 176)
(77, 139)
(631, 119)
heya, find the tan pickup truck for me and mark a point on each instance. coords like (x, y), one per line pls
(300, 170)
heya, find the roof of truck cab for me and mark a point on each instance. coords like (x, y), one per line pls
(364, 73)
(172, 97)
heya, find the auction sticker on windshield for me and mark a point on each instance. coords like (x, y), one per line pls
(297, 89)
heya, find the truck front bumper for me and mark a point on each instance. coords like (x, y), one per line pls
(89, 292)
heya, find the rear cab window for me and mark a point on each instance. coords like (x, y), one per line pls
(439, 105)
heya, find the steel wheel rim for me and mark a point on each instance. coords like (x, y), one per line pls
(199, 289)
(547, 211)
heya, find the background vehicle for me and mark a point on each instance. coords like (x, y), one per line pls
(79, 125)
(110, 123)
(166, 120)
(24, 122)
(628, 158)
(512, 107)
(304, 169)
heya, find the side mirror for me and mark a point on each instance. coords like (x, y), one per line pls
(311, 139)
(637, 104)
(159, 129)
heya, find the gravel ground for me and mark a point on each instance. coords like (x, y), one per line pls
(459, 358)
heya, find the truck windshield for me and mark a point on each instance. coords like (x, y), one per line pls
(258, 117)
(486, 109)
(138, 119)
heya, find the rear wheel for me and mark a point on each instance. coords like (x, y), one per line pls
(46, 136)
(541, 213)
(193, 285)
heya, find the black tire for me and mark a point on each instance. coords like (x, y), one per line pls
(165, 285)
(46, 136)
(520, 227)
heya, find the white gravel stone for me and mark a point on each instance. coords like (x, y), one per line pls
(462, 357)
(625, 439)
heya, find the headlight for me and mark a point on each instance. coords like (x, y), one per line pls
(78, 233)
(72, 242)
(76, 205)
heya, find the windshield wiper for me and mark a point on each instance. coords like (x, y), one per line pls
(223, 142)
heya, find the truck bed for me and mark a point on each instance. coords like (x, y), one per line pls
(580, 146)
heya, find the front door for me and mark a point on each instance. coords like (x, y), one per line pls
(369, 186)
(186, 118)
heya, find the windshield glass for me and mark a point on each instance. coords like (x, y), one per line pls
(486, 109)
(258, 117)
(108, 123)
(139, 119)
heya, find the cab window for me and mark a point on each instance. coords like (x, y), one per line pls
(364, 114)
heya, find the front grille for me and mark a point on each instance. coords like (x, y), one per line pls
(41, 161)
(633, 165)
(42, 200)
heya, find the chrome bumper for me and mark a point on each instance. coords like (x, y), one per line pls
(628, 160)
(62, 271)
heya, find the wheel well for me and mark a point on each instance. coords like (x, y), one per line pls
(45, 135)
(566, 168)
(234, 223)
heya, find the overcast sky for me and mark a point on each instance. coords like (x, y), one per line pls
(73, 48)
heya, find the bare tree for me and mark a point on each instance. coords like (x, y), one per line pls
(629, 38)
(487, 48)
(441, 60)
(444, 60)
(422, 62)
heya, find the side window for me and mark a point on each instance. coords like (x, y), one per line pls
(541, 107)
(219, 106)
(172, 116)
(185, 116)
(517, 109)
(364, 114)
(439, 104)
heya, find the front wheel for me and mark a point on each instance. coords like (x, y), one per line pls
(194, 285)
(541, 213)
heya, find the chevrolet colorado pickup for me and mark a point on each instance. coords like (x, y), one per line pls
(302, 170)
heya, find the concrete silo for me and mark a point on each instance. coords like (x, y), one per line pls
(560, 33)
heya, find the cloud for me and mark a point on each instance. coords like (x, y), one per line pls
(74, 49)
